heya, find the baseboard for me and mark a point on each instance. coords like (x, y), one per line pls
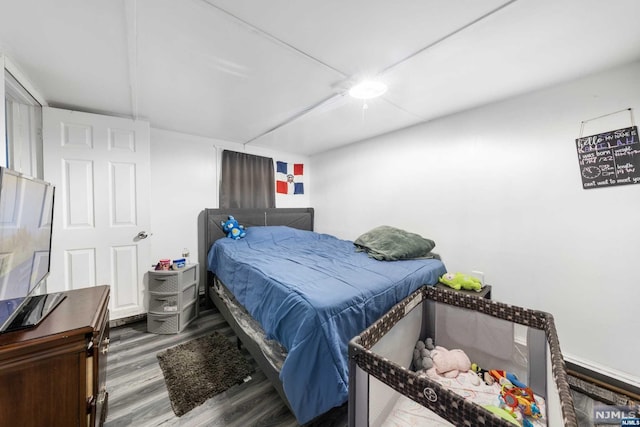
(601, 383)
(114, 323)
(205, 304)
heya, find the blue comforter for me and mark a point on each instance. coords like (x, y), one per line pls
(313, 293)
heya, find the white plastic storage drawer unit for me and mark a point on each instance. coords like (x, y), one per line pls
(173, 299)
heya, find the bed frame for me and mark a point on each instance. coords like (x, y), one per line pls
(300, 218)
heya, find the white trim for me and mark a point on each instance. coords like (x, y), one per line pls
(23, 80)
(3, 124)
(217, 155)
(604, 370)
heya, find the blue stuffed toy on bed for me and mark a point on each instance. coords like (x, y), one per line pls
(233, 229)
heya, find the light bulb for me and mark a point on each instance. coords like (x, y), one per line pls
(368, 89)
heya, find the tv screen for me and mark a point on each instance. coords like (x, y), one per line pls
(26, 214)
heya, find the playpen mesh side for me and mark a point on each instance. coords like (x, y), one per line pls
(532, 318)
(447, 404)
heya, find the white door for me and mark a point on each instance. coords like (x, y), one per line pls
(100, 167)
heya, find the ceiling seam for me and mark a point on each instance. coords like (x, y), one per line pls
(451, 34)
(295, 116)
(275, 39)
(419, 51)
(411, 113)
(131, 18)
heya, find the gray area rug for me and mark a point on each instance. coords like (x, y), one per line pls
(201, 368)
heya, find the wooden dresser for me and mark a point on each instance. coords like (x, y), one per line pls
(55, 374)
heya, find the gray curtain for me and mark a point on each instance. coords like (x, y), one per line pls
(247, 181)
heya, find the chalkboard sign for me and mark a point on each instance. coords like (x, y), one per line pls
(610, 158)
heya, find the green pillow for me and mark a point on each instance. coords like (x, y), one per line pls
(388, 243)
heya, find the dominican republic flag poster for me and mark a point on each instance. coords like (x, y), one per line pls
(289, 178)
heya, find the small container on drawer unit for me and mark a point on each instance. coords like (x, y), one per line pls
(173, 299)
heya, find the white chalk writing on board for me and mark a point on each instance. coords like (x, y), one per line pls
(609, 158)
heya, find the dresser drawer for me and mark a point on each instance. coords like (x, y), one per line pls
(164, 282)
(163, 303)
(162, 323)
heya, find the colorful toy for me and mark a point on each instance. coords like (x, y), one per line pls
(514, 380)
(459, 281)
(233, 229)
(504, 377)
(522, 399)
(502, 413)
(483, 374)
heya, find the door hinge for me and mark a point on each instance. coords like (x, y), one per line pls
(91, 403)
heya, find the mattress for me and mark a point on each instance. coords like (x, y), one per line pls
(408, 413)
(312, 293)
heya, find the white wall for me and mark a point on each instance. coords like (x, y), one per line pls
(499, 190)
(184, 181)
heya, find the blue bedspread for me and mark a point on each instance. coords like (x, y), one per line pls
(313, 293)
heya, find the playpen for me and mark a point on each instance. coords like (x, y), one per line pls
(384, 390)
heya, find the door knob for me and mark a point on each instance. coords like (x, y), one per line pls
(142, 235)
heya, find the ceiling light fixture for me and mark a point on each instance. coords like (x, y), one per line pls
(368, 89)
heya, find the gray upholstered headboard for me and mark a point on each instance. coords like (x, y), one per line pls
(300, 218)
(209, 221)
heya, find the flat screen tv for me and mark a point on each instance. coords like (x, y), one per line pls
(26, 222)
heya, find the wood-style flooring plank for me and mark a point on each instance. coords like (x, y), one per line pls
(138, 394)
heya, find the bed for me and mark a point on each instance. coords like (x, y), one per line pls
(295, 298)
(386, 390)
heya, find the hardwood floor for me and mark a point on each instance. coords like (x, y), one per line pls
(138, 395)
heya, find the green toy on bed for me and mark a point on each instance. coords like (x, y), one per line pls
(459, 281)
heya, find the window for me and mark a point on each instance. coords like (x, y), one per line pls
(247, 181)
(23, 129)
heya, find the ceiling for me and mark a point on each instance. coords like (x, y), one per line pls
(275, 73)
